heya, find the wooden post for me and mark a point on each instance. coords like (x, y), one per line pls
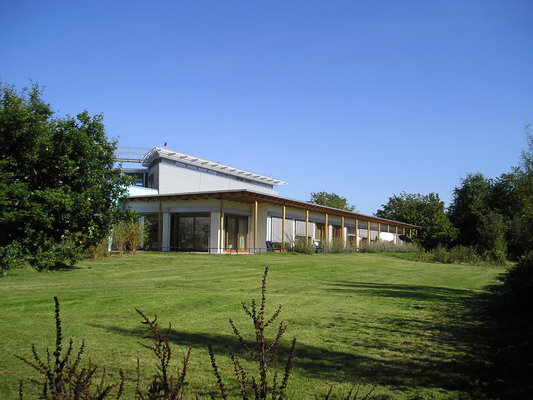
(356, 233)
(326, 233)
(255, 224)
(160, 227)
(306, 226)
(395, 235)
(379, 232)
(368, 226)
(283, 228)
(342, 230)
(221, 227)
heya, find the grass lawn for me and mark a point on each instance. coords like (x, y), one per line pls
(358, 318)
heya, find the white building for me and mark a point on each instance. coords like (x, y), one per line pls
(194, 204)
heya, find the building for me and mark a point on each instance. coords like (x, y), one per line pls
(194, 204)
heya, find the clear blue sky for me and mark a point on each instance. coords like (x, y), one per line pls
(363, 98)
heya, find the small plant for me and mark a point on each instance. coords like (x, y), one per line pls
(304, 245)
(99, 250)
(62, 376)
(336, 245)
(120, 237)
(136, 234)
(163, 386)
(264, 353)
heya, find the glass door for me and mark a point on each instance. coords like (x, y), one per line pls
(236, 233)
(190, 232)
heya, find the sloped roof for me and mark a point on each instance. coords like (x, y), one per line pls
(158, 152)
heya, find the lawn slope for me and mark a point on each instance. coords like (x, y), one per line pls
(358, 318)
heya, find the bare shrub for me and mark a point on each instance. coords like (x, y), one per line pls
(62, 377)
(263, 351)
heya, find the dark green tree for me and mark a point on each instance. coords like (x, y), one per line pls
(331, 200)
(517, 204)
(469, 204)
(426, 211)
(59, 189)
(478, 211)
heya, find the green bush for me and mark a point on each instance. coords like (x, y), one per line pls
(99, 250)
(455, 255)
(12, 256)
(304, 246)
(336, 245)
(518, 282)
(465, 255)
(386, 247)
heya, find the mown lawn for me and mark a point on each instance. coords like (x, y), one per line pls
(359, 318)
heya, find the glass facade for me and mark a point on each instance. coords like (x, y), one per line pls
(189, 232)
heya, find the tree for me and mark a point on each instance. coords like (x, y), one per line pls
(470, 203)
(514, 200)
(59, 190)
(331, 200)
(426, 211)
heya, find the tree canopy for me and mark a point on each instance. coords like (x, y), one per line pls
(331, 200)
(496, 215)
(59, 190)
(426, 211)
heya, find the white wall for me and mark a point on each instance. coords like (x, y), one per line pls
(174, 179)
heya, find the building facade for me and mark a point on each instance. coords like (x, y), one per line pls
(198, 205)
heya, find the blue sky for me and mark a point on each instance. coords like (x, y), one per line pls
(363, 98)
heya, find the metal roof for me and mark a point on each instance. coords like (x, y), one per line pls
(158, 152)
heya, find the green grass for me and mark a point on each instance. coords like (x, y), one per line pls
(358, 318)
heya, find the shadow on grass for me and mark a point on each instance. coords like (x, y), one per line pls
(379, 360)
(325, 364)
(502, 347)
(425, 293)
(494, 336)
(473, 345)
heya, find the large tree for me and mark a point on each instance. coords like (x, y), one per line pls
(426, 211)
(59, 189)
(474, 213)
(512, 196)
(331, 200)
(469, 204)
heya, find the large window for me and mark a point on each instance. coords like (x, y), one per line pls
(236, 232)
(189, 232)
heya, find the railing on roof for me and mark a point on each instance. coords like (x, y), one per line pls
(131, 154)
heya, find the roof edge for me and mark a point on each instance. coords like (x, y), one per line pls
(159, 152)
(276, 200)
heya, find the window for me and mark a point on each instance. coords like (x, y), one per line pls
(190, 232)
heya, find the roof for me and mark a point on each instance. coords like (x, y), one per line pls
(250, 196)
(158, 152)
